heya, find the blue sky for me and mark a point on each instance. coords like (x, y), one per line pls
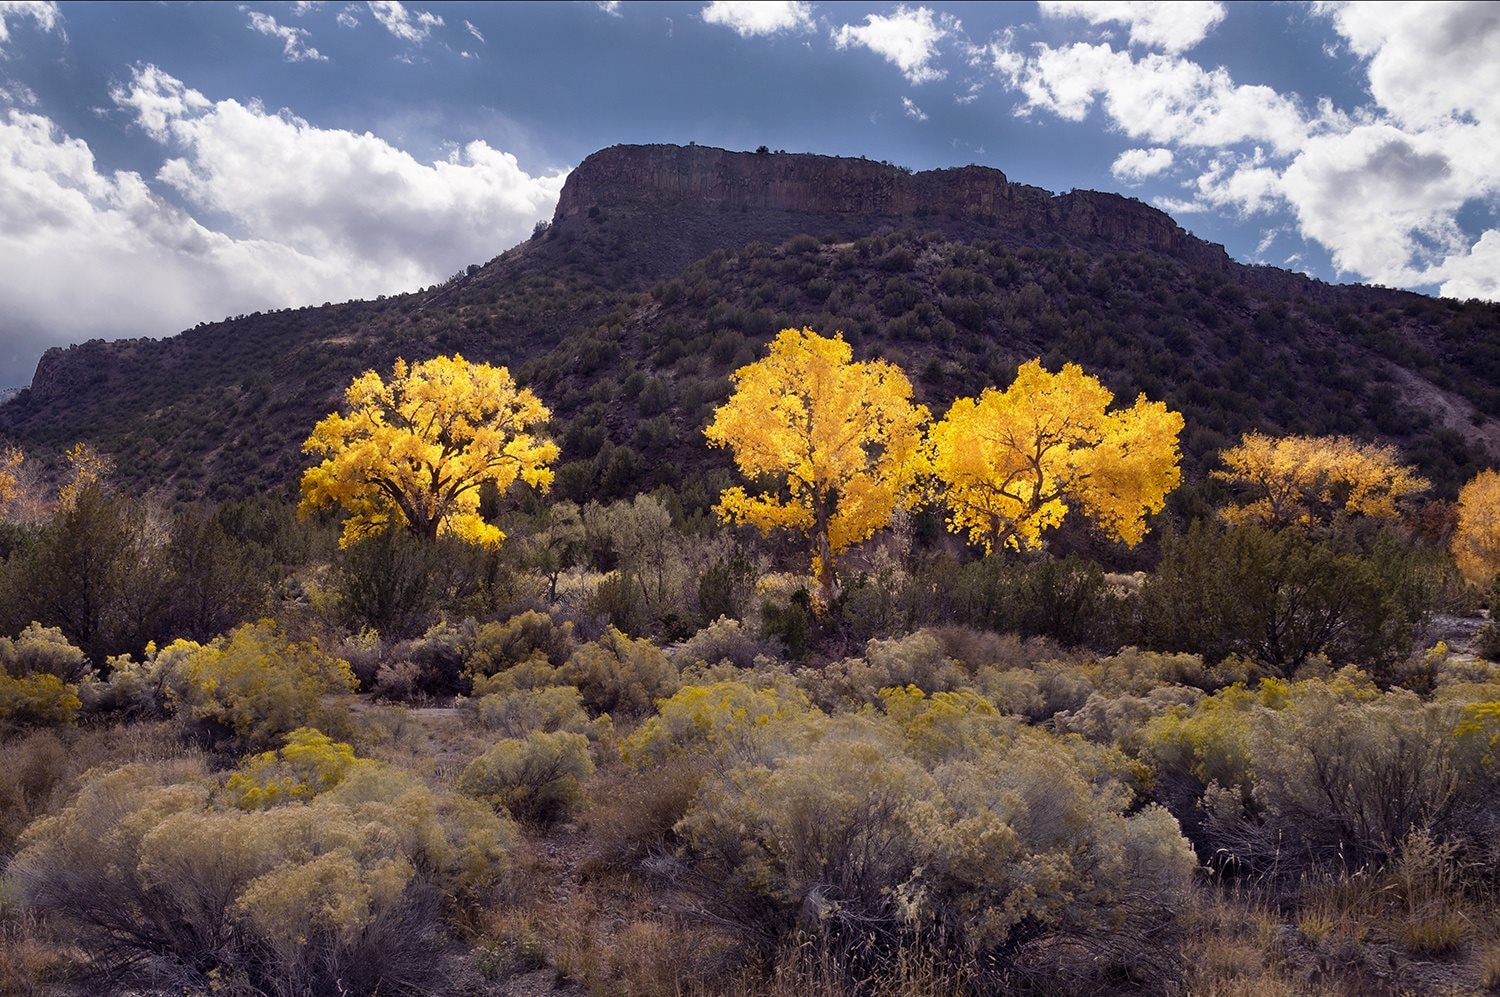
(166, 164)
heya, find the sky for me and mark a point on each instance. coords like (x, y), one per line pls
(167, 164)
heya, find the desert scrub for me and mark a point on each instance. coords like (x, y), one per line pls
(153, 871)
(927, 820)
(537, 778)
(242, 691)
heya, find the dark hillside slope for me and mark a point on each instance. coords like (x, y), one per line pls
(666, 267)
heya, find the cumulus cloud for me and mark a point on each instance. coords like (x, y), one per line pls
(1174, 25)
(1164, 99)
(348, 17)
(750, 18)
(316, 214)
(1382, 186)
(1135, 165)
(610, 7)
(412, 27)
(1475, 274)
(908, 39)
(912, 110)
(43, 12)
(294, 47)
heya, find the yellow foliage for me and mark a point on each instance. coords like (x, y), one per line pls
(86, 466)
(1010, 461)
(1476, 540)
(38, 698)
(945, 723)
(252, 682)
(414, 452)
(1306, 479)
(306, 765)
(840, 440)
(11, 459)
(729, 722)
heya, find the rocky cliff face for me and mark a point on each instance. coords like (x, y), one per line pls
(658, 178)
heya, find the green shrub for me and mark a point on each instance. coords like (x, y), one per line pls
(42, 650)
(1280, 597)
(498, 646)
(249, 687)
(339, 895)
(536, 778)
(520, 712)
(619, 675)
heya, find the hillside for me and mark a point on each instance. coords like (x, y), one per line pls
(666, 267)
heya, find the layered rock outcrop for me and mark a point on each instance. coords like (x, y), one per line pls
(662, 178)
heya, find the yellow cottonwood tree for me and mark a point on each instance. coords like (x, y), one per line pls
(837, 443)
(1009, 462)
(86, 467)
(1476, 540)
(413, 452)
(11, 459)
(1305, 480)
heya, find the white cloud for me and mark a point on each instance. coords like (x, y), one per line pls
(908, 39)
(469, 27)
(1135, 165)
(1383, 202)
(301, 7)
(1381, 186)
(294, 47)
(1475, 274)
(348, 17)
(1428, 63)
(316, 214)
(43, 12)
(1163, 99)
(750, 18)
(912, 110)
(610, 7)
(1174, 25)
(412, 27)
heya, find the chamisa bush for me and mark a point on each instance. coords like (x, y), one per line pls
(240, 692)
(920, 824)
(309, 872)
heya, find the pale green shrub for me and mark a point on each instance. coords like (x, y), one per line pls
(498, 646)
(620, 674)
(988, 841)
(40, 650)
(538, 778)
(916, 660)
(722, 640)
(340, 894)
(545, 709)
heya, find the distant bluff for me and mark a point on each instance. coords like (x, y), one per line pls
(670, 179)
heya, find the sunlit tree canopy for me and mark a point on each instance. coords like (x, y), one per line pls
(1010, 462)
(1303, 480)
(1476, 540)
(413, 452)
(836, 443)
